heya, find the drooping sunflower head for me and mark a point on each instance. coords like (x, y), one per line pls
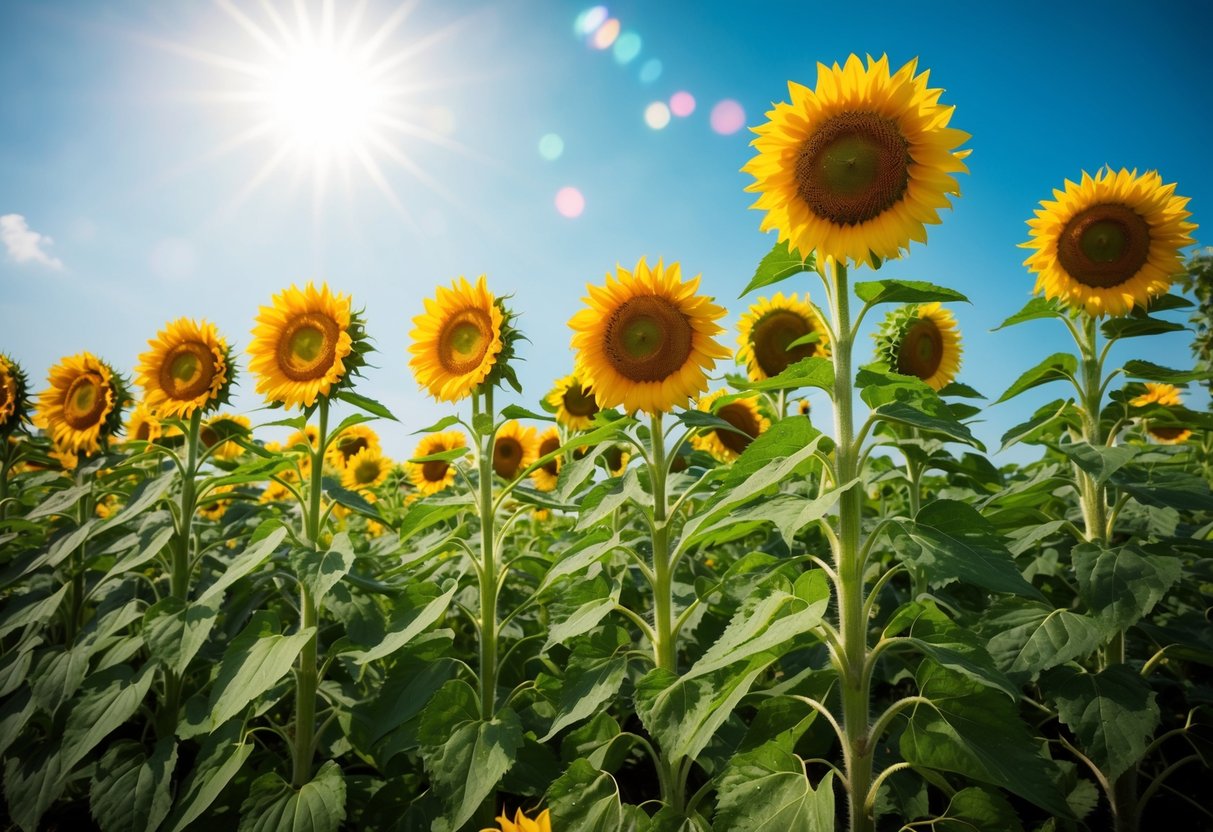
(768, 329)
(142, 424)
(82, 405)
(646, 342)
(521, 823)
(1109, 243)
(365, 470)
(513, 449)
(431, 476)
(921, 340)
(464, 339)
(14, 396)
(189, 367)
(352, 440)
(857, 165)
(574, 403)
(546, 476)
(217, 433)
(742, 413)
(307, 344)
(1167, 395)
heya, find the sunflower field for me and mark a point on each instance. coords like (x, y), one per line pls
(668, 595)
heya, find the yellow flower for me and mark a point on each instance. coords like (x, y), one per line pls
(457, 341)
(1109, 243)
(186, 369)
(353, 439)
(214, 509)
(306, 438)
(769, 326)
(547, 475)
(228, 449)
(303, 344)
(616, 458)
(858, 164)
(921, 341)
(514, 449)
(574, 402)
(13, 396)
(521, 823)
(1167, 395)
(645, 341)
(82, 404)
(366, 470)
(804, 407)
(743, 414)
(142, 424)
(434, 475)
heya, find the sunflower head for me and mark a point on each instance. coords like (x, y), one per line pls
(573, 403)
(365, 470)
(742, 413)
(1109, 243)
(216, 433)
(1167, 395)
(768, 329)
(142, 425)
(213, 509)
(856, 166)
(432, 476)
(307, 344)
(466, 338)
(645, 340)
(616, 458)
(188, 367)
(353, 439)
(521, 823)
(514, 449)
(804, 407)
(921, 340)
(14, 396)
(547, 475)
(304, 439)
(82, 405)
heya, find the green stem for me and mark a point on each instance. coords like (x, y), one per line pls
(180, 568)
(664, 652)
(489, 577)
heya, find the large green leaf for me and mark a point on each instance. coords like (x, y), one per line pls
(146, 494)
(273, 805)
(1027, 637)
(131, 789)
(789, 512)
(321, 571)
(1040, 425)
(605, 497)
(978, 810)
(778, 265)
(580, 606)
(1121, 584)
(387, 724)
(107, 700)
(32, 608)
(906, 291)
(58, 675)
(1112, 712)
(807, 372)
(1099, 461)
(1035, 309)
(1148, 371)
(953, 646)
(1058, 366)
(584, 799)
(596, 670)
(407, 625)
(766, 789)
(907, 400)
(221, 758)
(175, 631)
(31, 784)
(267, 537)
(1165, 488)
(1137, 325)
(972, 730)
(252, 664)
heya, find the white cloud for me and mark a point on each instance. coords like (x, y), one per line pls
(25, 245)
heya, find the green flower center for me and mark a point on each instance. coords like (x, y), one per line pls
(648, 338)
(85, 402)
(464, 341)
(307, 349)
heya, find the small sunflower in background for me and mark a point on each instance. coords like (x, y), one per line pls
(307, 344)
(514, 449)
(858, 165)
(434, 475)
(546, 476)
(1167, 395)
(646, 342)
(616, 458)
(574, 403)
(188, 368)
(352, 440)
(212, 508)
(768, 329)
(305, 438)
(1110, 242)
(365, 470)
(14, 396)
(82, 406)
(921, 340)
(804, 407)
(742, 413)
(142, 424)
(464, 340)
(521, 823)
(216, 430)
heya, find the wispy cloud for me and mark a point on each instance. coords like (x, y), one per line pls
(24, 245)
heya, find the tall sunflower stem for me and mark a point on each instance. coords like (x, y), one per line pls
(663, 602)
(489, 575)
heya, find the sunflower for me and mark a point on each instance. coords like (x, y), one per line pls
(574, 402)
(305, 345)
(767, 329)
(432, 476)
(856, 166)
(1167, 395)
(514, 449)
(82, 405)
(521, 823)
(213, 509)
(921, 340)
(804, 407)
(188, 368)
(743, 414)
(547, 475)
(14, 396)
(142, 424)
(276, 489)
(1110, 243)
(645, 342)
(212, 433)
(616, 458)
(366, 469)
(462, 341)
(353, 439)
(305, 438)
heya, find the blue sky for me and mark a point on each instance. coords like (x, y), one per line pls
(114, 119)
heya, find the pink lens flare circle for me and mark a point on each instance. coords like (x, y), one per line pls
(569, 202)
(682, 104)
(727, 117)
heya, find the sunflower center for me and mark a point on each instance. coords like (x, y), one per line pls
(772, 335)
(308, 346)
(742, 418)
(85, 401)
(367, 472)
(552, 466)
(853, 168)
(507, 456)
(464, 341)
(187, 371)
(144, 432)
(614, 458)
(1167, 434)
(349, 447)
(1104, 246)
(648, 339)
(434, 470)
(921, 350)
(579, 401)
(208, 436)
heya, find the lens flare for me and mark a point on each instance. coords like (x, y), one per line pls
(727, 117)
(589, 20)
(606, 34)
(650, 71)
(569, 202)
(657, 115)
(627, 47)
(682, 104)
(551, 146)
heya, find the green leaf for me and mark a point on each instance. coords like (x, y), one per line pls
(145, 494)
(1138, 325)
(58, 675)
(1057, 367)
(466, 756)
(107, 700)
(482, 423)
(1036, 308)
(407, 626)
(950, 540)
(175, 631)
(580, 607)
(387, 724)
(807, 372)
(584, 799)
(1039, 425)
(767, 789)
(351, 500)
(1120, 585)
(32, 608)
(909, 401)
(442, 424)
(927, 416)
(952, 646)
(31, 784)
(253, 662)
(221, 758)
(1028, 637)
(595, 672)
(583, 551)
(788, 512)
(906, 291)
(978, 810)
(60, 502)
(321, 571)
(132, 790)
(273, 805)
(778, 265)
(267, 537)
(151, 542)
(369, 405)
(1165, 488)
(1113, 713)
(1099, 461)
(1147, 371)
(513, 411)
(972, 730)
(605, 497)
